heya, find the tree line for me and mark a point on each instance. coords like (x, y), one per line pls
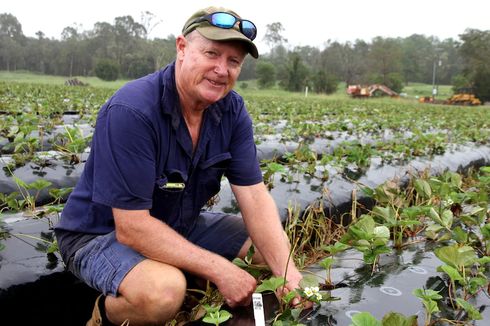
(124, 50)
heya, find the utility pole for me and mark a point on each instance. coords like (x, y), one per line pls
(437, 62)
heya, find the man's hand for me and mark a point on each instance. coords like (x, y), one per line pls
(293, 279)
(236, 286)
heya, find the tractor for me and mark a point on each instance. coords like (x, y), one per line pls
(463, 96)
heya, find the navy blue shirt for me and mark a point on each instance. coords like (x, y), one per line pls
(141, 147)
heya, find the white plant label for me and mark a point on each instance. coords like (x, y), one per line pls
(258, 306)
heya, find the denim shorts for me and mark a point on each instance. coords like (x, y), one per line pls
(104, 262)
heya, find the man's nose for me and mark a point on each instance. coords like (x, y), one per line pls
(221, 67)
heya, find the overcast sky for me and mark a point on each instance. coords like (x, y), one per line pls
(306, 22)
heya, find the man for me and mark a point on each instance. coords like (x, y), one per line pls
(133, 225)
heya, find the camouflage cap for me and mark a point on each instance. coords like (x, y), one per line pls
(215, 33)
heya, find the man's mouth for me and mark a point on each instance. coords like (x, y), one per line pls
(216, 83)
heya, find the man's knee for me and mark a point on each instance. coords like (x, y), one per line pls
(155, 290)
(164, 302)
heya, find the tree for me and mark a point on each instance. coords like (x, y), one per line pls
(266, 74)
(475, 51)
(273, 35)
(11, 41)
(297, 74)
(127, 34)
(10, 27)
(417, 58)
(72, 39)
(249, 68)
(325, 83)
(148, 21)
(140, 66)
(385, 59)
(107, 70)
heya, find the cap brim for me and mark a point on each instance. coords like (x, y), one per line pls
(221, 34)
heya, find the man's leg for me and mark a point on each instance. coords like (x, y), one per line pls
(137, 289)
(151, 293)
(226, 235)
(257, 257)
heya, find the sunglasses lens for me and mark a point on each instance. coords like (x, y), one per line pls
(249, 29)
(223, 20)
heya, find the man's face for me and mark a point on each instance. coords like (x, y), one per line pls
(209, 69)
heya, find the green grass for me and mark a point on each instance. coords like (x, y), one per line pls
(33, 78)
(418, 89)
(248, 87)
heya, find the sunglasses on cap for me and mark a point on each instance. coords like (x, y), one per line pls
(226, 21)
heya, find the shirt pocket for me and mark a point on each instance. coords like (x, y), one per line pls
(167, 196)
(211, 172)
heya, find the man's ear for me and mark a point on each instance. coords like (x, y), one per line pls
(180, 45)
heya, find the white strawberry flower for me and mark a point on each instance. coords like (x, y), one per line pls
(313, 291)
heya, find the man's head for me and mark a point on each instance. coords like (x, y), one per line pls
(221, 24)
(209, 58)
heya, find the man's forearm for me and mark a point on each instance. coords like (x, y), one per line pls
(157, 241)
(264, 226)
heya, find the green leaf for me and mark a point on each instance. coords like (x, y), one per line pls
(413, 212)
(336, 248)
(397, 319)
(455, 179)
(211, 309)
(364, 319)
(431, 306)
(224, 316)
(363, 228)
(485, 231)
(423, 188)
(275, 167)
(434, 215)
(452, 272)
(240, 263)
(52, 248)
(271, 284)
(362, 244)
(447, 218)
(427, 294)
(455, 256)
(39, 184)
(387, 213)
(369, 257)
(20, 183)
(381, 232)
(288, 297)
(308, 281)
(476, 283)
(327, 296)
(327, 263)
(473, 313)
(296, 312)
(483, 260)
(460, 235)
(250, 254)
(409, 222)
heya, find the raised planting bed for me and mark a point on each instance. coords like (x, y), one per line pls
(374, 264)
(356, 182)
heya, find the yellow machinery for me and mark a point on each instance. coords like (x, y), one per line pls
(370, 90)
(464, 96)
